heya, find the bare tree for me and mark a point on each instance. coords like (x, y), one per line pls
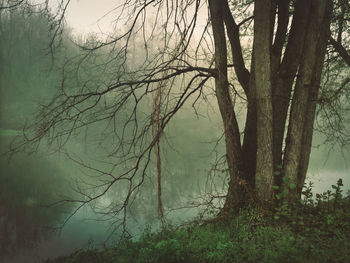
(7, 4)
(198, 50)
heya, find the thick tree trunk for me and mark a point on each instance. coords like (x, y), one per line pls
(262, 66)
(268, 92)
(284, 72)
(304, 83)
(237, 186)
(312, 101)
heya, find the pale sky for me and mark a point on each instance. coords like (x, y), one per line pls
(99, 16)
(86, 16)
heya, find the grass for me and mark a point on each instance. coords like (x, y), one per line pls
(312, 231)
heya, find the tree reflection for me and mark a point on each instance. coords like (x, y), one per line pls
(28, 184)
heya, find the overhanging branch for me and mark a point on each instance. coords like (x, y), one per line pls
(340, 49)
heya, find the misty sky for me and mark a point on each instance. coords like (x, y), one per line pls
(99, 17)
(86, 16)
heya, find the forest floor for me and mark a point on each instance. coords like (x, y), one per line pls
(316, 230)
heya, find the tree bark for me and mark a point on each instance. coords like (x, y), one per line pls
(250, 132)
(236, 191)
(284, 72)
(262, 66)
(292, 157)
(312, 101)
(281, 32)
(242, 72)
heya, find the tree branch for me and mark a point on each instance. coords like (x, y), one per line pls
(280, 37)
(340, 49)
(232, 29)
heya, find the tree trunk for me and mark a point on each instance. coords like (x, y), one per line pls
(157, 132)
(236, 195)
(250, 133)
(304, 83)
(284, 72)
(312, 101)
(263, 88)
(268, 92)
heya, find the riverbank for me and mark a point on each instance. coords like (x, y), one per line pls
(317, 230)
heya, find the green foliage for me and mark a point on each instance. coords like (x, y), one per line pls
(311, 231)
(324, 222)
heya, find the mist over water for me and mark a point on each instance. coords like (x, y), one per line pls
(82, 230)
(54, 176)
(29, 183)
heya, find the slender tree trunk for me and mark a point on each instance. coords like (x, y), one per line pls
(262, 66)
(340, 50)
(304, 83)
(246, 80)
(280, 92)
(237, 190)
(159, 181)
(232, 29)
(157, 132)
(250, 133)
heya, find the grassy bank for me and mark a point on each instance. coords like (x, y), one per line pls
(317, 230)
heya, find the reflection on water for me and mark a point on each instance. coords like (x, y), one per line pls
(77, 234)
(28, 183)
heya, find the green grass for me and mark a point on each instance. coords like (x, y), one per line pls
(312, 231)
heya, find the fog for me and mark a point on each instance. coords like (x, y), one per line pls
(31, 184)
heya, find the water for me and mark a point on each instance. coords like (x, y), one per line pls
(77, 234)
(27, 180)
